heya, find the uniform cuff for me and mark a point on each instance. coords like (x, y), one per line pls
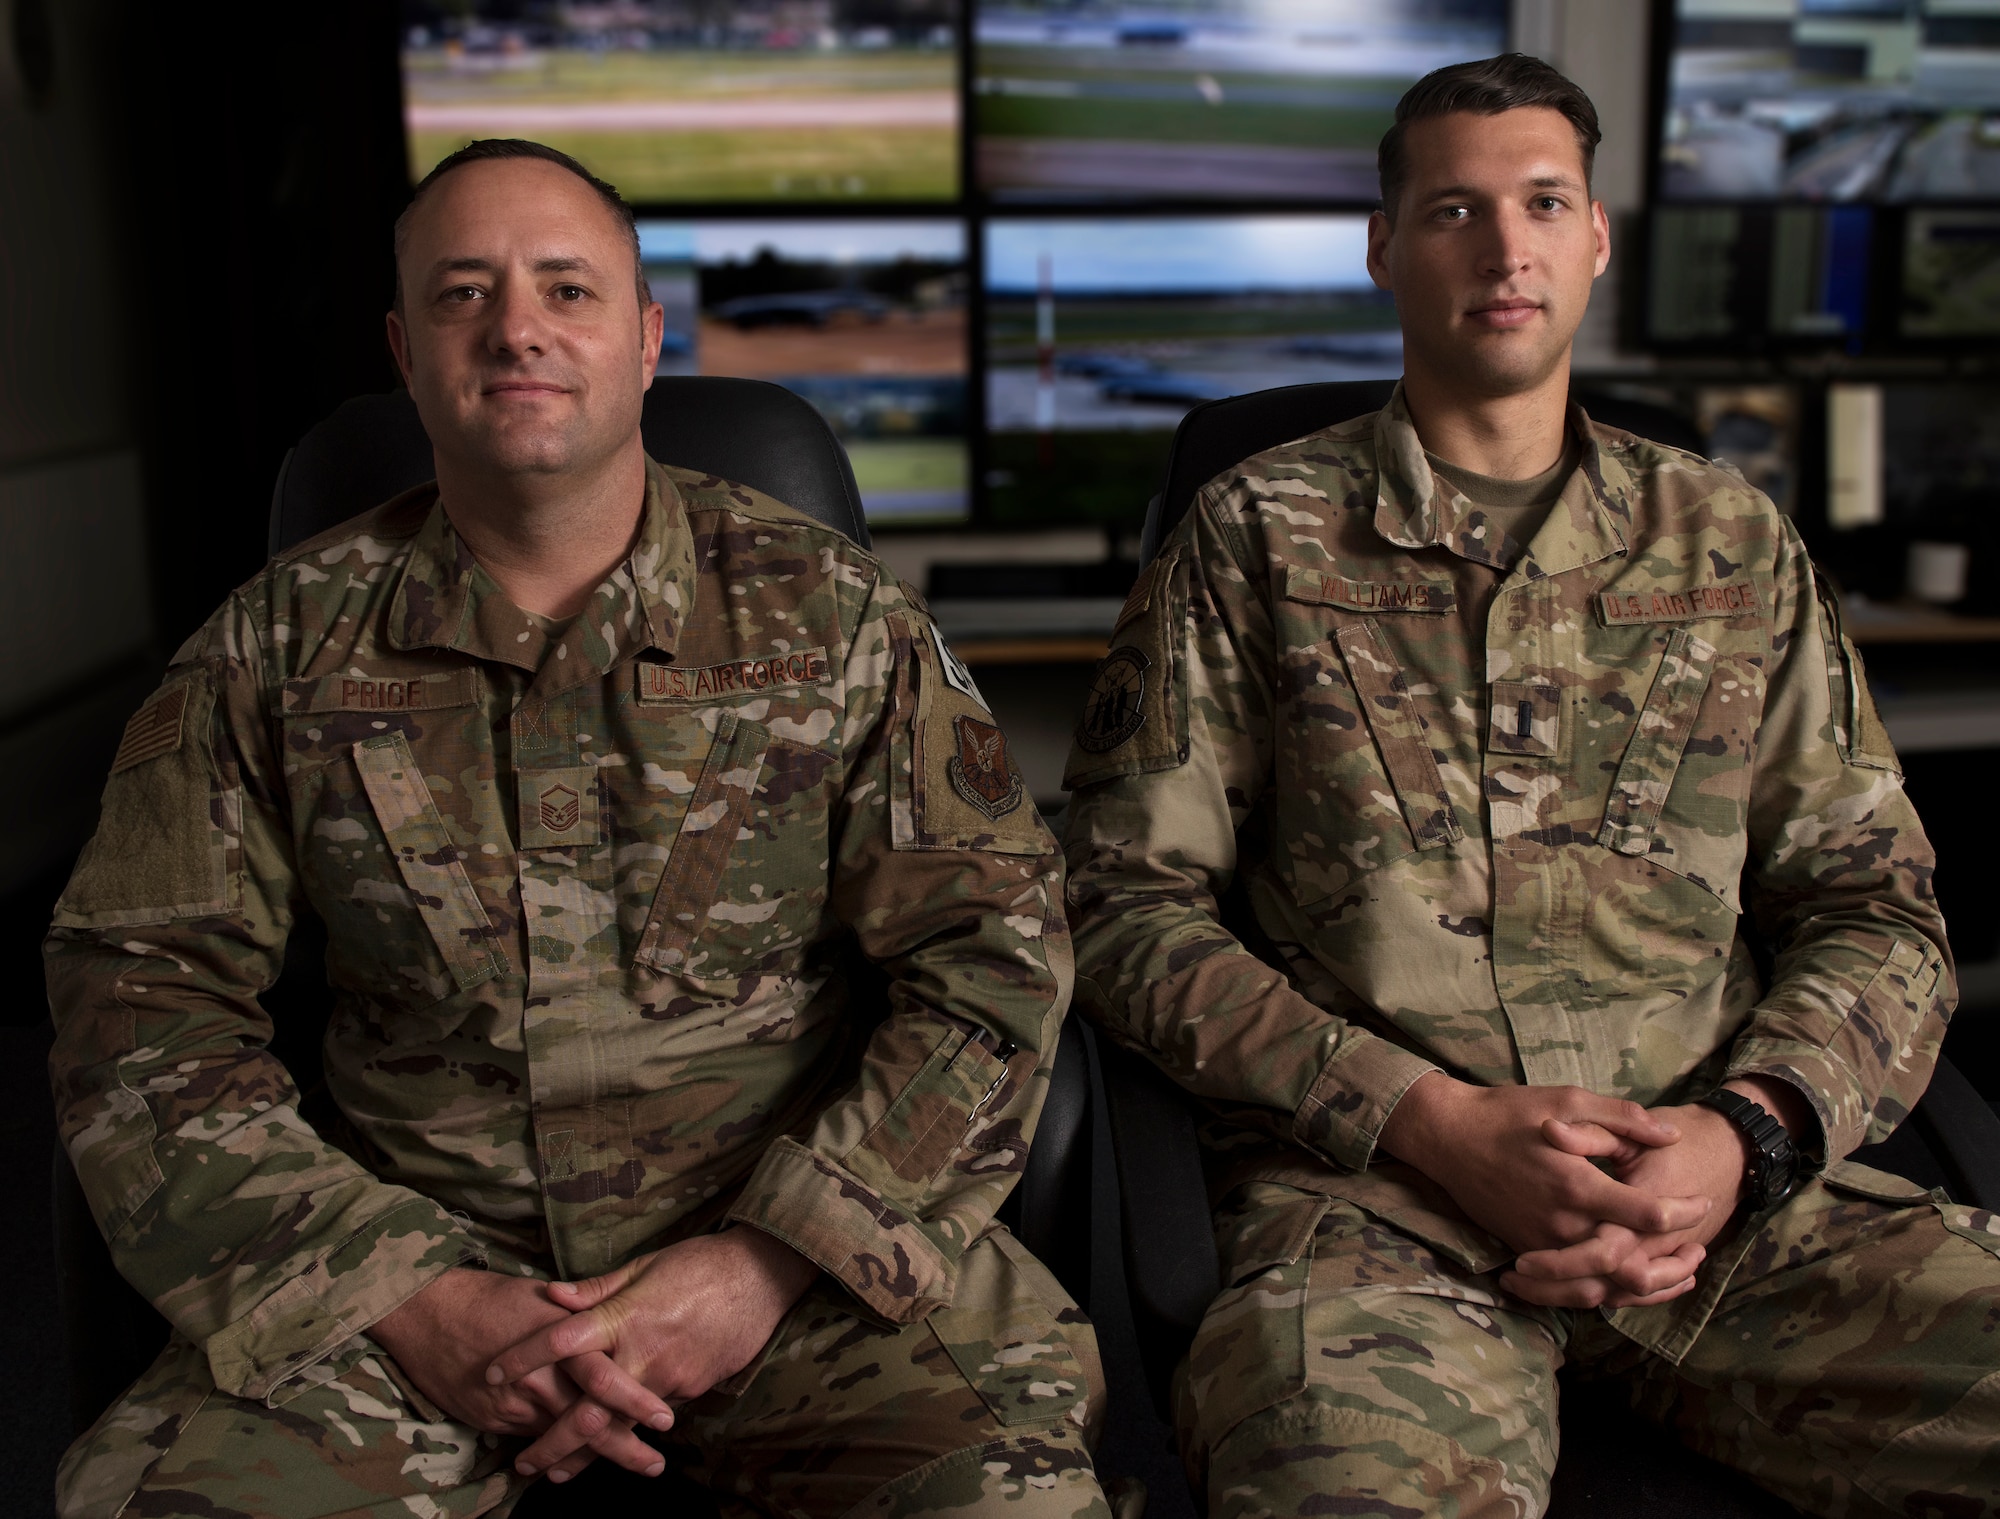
(1808, 1071)
(1356, 1091)
(366, 1277)
(875, 1251)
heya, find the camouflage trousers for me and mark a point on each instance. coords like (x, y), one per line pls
(987, 1408)
(1850, 1364)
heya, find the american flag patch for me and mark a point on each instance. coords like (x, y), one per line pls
(155, 729)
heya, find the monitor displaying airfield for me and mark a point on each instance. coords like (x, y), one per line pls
(1101, 333)
(1883, 100)
(1204, 99)
(864, 319)
(698, 100)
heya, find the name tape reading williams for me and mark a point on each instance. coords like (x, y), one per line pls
(1320, 589)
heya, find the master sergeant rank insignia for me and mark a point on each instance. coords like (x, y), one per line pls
(980, 771)
(561, 809)
(1114, 710)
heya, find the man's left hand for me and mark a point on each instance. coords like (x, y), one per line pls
(674, 1322)
(1616, 1268)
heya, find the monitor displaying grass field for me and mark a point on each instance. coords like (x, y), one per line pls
(1861, 100)
(1101, 333)
(698, 100)
(1091, 100)
(864, 319)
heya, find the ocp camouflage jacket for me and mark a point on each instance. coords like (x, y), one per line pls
(591, 904)
(1530, 825)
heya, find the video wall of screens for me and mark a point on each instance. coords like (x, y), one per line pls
(1742, 277)
(1835, 100)
(1102, 332)
(1227, 100)
(1826, 173)
(1001, 245)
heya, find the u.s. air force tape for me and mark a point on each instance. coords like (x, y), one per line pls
(738, 677)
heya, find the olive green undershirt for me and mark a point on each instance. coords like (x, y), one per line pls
(1517, 507)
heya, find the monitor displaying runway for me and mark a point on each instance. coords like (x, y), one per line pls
(1093, 100)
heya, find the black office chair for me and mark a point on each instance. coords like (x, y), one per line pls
(749, 431)
(1612, 1461)
(372, 448)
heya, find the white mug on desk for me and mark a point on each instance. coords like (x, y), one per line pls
(1937, 572)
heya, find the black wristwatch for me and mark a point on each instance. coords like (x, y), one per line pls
(1774, 1163)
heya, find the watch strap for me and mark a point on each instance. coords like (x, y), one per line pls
(1774, 1162)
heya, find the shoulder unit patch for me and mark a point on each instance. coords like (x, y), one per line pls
(981, 772)
(1115, 708)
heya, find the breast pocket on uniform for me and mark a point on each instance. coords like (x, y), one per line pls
(744, 882)
(1357, 779)
(1680, 794)
(382, 864)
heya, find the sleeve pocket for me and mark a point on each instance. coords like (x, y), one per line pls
(1859, 733)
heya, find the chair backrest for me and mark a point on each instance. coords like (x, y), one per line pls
(1217, 434)
(750, 431)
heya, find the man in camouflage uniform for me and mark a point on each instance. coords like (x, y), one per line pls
(1493, 725)
(597, 771)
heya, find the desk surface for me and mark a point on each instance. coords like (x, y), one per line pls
(1901, 622)
(1867, 623)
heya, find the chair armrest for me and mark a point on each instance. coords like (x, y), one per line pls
(1963, 1132)
(1049, 1208)
(1171, 1268)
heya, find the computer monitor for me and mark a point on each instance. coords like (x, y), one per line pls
(1950, 275)
(1102, 332)
(1746, 278)
(864, 319)
(1095, 100)
(1831, 100)
(804, 100)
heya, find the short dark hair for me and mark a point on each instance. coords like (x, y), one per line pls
(1485, 87)
(487, 149)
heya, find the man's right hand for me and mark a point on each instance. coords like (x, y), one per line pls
(446, 1336)
(1489, 1147)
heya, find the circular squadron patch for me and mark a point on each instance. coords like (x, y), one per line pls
(1114, 710)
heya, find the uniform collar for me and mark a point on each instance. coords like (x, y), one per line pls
(1415, 510)
(445, 600)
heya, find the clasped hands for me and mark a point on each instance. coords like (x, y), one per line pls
(1609, 1204)
(578, 1365)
